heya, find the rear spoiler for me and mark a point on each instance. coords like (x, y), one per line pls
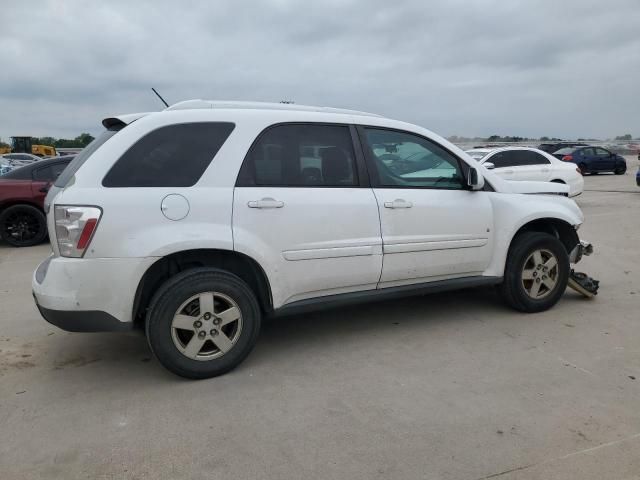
(120, 121)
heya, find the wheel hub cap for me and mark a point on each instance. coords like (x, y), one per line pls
(206, 326)
(540, 274)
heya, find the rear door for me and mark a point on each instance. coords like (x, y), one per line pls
(303, 209)
(539, 167)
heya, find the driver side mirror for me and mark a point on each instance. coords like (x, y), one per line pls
(489, 165)
(475, 181)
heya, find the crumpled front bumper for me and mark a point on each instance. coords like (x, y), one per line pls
(583, 248)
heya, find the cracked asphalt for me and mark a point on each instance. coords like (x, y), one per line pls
(448, 386)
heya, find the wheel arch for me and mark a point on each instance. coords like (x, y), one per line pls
(14, 202)
(561, 229)
(233, 262)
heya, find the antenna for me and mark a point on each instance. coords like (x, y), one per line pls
(161, 99)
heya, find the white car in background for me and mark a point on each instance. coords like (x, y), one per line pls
(524, 163)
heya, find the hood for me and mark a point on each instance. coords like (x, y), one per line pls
(538, 187)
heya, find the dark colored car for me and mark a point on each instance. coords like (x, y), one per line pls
(22, 193)
(638, 175)
(555, 146)
(593, 159)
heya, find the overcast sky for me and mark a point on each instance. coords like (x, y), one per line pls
(530, 68)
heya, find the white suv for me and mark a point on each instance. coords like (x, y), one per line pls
(196, 222)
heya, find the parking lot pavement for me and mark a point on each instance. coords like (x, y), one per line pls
(448, 386)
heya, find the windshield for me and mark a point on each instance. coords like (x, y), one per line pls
(82, 157)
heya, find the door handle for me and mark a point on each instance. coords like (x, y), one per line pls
(44, 189)
(398, 203)
(265, 203)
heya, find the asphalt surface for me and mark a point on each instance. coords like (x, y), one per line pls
(448, 386)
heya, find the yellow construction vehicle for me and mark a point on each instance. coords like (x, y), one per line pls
(25, 145)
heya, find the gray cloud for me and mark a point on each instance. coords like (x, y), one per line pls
(457, 67)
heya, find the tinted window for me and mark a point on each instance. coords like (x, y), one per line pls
(296, 155)
(565, 151)
(171, 156)
(589, 152)
(533, 158)
(502, 159)
(601, 152)
(50, 172)
(402, 159)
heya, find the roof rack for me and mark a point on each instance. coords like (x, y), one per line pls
(204, 104)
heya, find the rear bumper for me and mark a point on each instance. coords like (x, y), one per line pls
(88, 294)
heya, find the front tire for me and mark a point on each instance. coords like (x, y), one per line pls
(203, 323)
(536, 273)
(23, 226)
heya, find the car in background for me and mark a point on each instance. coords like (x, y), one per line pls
(22, 194)
(638, 177)
(21, 156)
(592, 159)
(555, 146)
(524, 163)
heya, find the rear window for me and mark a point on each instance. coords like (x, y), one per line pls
(82, 157)
(564, 151)
(171, 156)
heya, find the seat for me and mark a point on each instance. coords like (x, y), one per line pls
(336, 167)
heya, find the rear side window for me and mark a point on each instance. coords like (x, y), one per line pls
(171, 156)
(301, 155)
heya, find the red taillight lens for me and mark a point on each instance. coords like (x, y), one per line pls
(75, 226)
(87, 231)
(567, 158)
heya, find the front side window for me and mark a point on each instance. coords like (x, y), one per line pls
(601, 152)
(503, 159)
(402, 159)
(171, 156)
(301, 155)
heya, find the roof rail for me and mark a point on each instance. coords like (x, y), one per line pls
(203, 104)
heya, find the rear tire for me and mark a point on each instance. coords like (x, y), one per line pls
(536, 273)
(620, 170)
(23, 226)
(226, 322)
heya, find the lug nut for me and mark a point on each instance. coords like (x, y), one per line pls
(216, 321)
(201, 334)
(197, 324)
(207, 316)
(213, 332)
(538, 280)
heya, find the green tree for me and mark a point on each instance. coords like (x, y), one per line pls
(624, 137)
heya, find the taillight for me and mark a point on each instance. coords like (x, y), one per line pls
(75, 226)
(567, 158)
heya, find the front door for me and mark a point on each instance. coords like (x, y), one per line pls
(299, 209)
(432, 226)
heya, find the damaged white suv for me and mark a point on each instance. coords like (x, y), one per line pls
(196, 222)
